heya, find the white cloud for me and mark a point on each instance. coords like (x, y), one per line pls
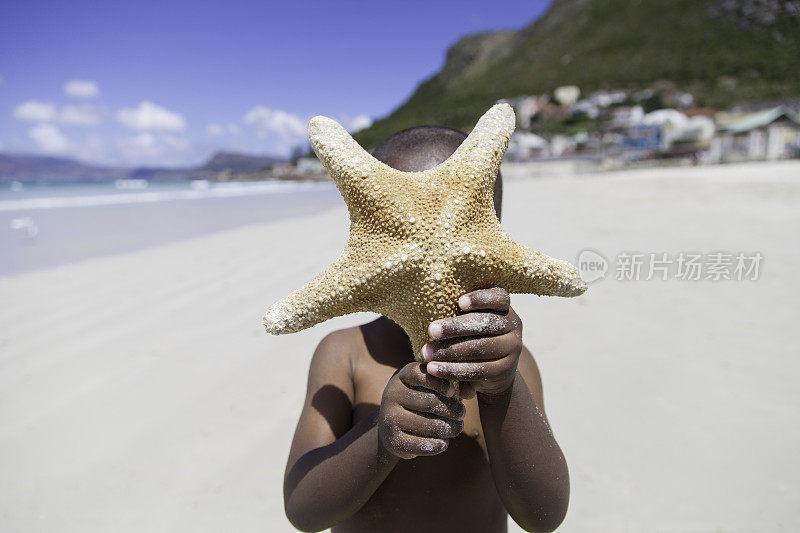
(283, 131)
(81, 89)
(141, 149)
(141, 145)
(356, 123)
(284, 124)
(214, 130)
(83, 115)
(38, 111)
(49, 139)
(35, 111)
(277, 132)
(148, 116)
(154, 149)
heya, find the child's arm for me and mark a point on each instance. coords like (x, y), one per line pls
(483, 350)
(334, 469)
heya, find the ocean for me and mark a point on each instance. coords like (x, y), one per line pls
(47, 225)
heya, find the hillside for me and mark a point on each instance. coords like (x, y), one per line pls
(240, 163)
(723, 51)
(43, 168)
(34, 168)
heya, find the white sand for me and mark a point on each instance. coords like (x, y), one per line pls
(139, 393)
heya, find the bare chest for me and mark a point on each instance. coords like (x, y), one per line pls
(451, 491)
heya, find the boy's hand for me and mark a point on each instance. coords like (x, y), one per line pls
(480, 347)
(418, 414)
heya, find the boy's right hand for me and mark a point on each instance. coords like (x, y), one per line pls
(418, 414)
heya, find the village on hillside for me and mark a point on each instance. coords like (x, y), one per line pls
(617, 129)
(607, 130)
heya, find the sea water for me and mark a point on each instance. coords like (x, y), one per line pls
(44, 225)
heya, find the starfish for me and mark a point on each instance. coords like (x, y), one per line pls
(419, 240)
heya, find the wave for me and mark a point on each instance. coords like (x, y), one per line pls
(192, 192)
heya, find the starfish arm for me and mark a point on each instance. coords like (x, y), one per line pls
(478, 158)
(338, 290)
(532, 272)
(344, 159)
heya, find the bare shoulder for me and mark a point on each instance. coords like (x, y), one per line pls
(530, 373)
(327, 409)
(339, 344)
(334, 355)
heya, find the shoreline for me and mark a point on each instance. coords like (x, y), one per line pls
(109, 224)
(152, 192)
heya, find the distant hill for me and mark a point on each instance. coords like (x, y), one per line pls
(29, 168)
(723, 51)
(239, 163)
(42, 168)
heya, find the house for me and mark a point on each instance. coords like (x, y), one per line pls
(689, 134)
(527, 107)
(525, 146)
(567, 95)
(679, 99)
(643, 138)
(693, 134)
(709, 112)
(593, 107)
(768, 134)
(562, 145)
(586, 109)
(624, 118)
(603, 99)
(554, 112)
(309, 166)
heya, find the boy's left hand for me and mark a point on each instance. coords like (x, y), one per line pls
(480, 348)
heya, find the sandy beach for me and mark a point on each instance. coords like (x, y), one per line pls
(139, 392)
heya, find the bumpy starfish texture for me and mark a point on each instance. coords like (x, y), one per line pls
(419, 240)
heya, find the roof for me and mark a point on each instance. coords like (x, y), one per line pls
(762, 118)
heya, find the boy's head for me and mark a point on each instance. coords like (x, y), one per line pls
(418, 149)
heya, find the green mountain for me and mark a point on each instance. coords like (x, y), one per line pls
(722, 51)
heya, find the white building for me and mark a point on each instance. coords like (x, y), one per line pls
(678, 128)
(308, 166)
(769, 134)
(524, 146)
(605, 99)
(567, 95)
(627, 117)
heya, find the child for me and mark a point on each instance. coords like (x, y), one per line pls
(384, 445)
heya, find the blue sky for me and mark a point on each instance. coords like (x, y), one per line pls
(168, 83)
